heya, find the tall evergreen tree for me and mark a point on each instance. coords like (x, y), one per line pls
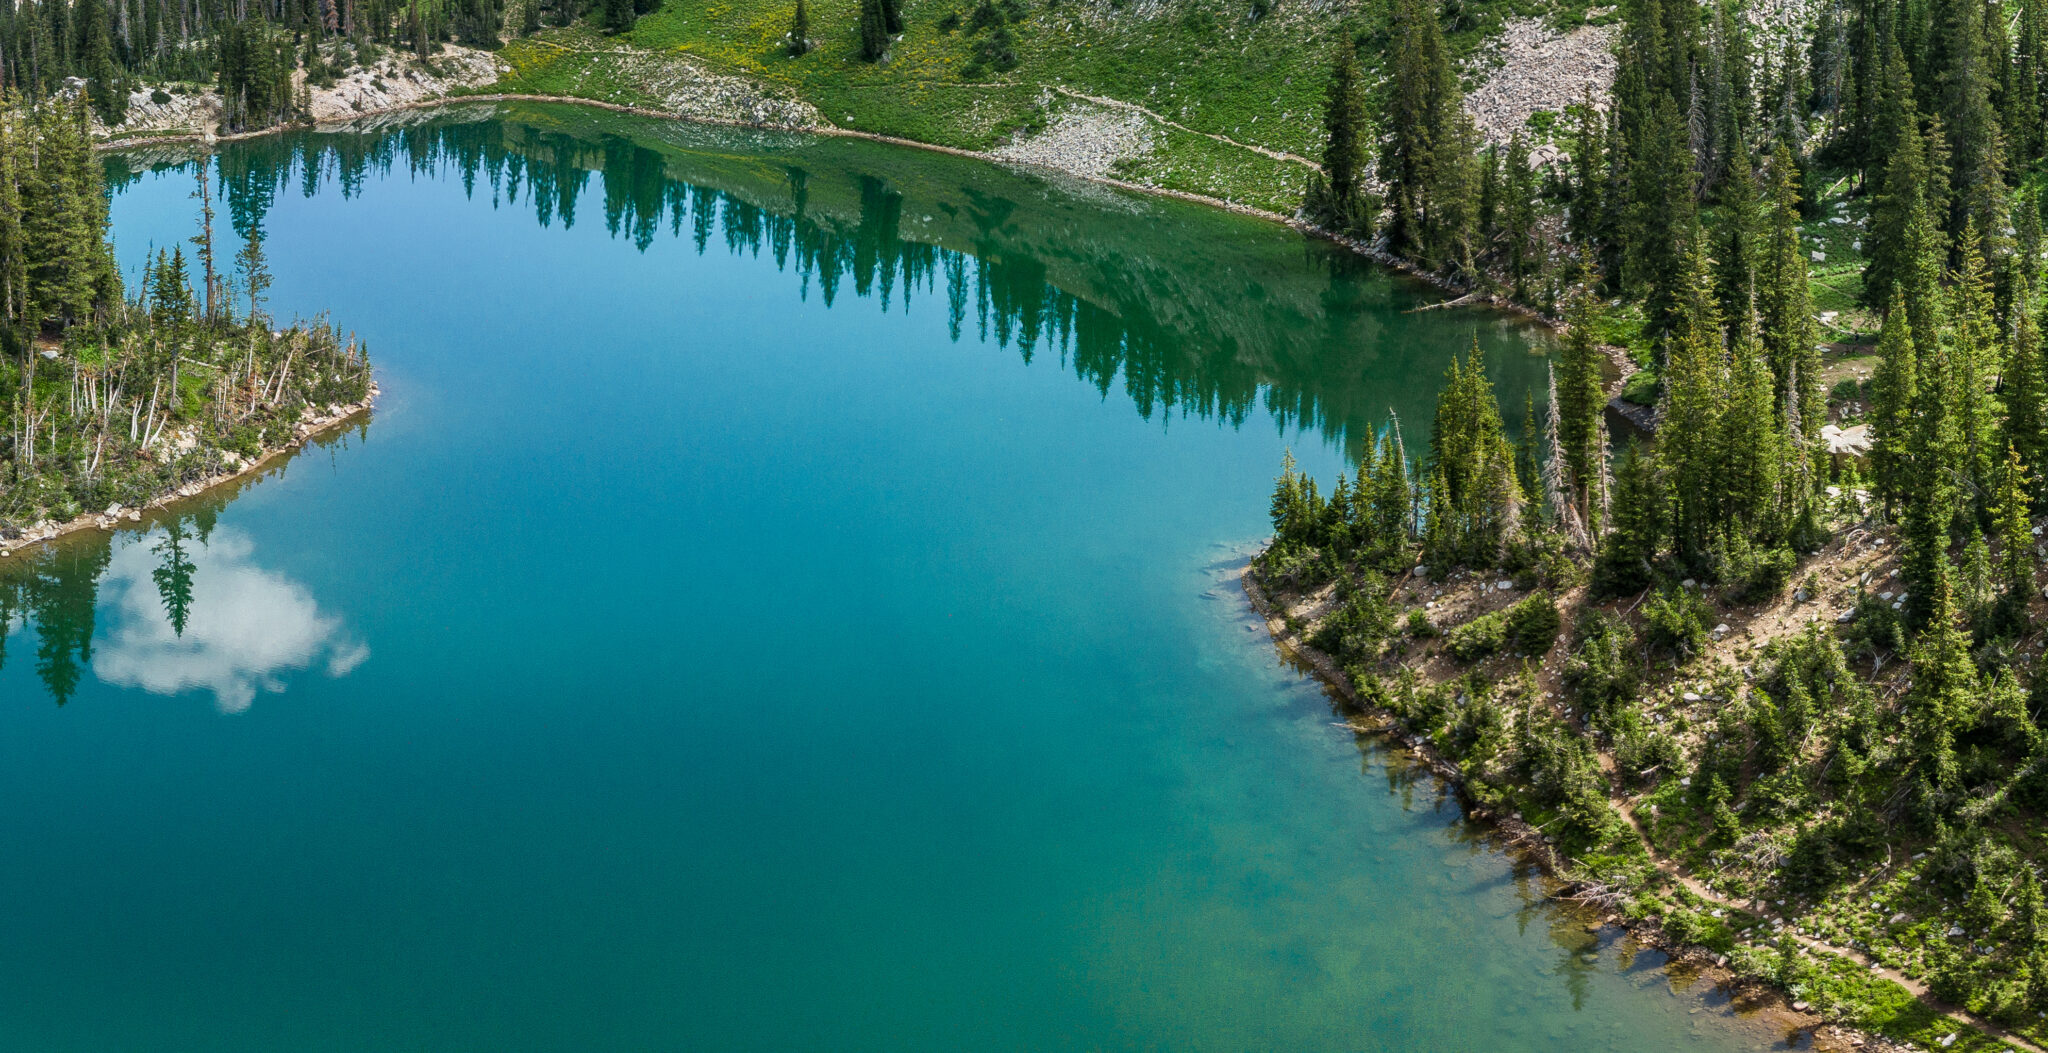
(1751, 443)
(1580, 401)
(874, 31)
(2014, 524)
(1695, 389)
(800, 31)
(1427, 156)
(1894, 404)
(1476, 498)
(2024, 384)
(1629, 550)
(1900, 220)
(1344, 204)
(1784, 298)
(1965, 83)
(1944, 685)
(1738, 234)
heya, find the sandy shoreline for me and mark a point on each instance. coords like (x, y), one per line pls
(302, 432)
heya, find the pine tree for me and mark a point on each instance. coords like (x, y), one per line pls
(1628, 551)
(1894, 403)
(1695, 388)
(618, 16)
(1944, 684)
(800, 31)
(204, 240)
(1475, 503)
(1580, 401)
(2024, 105)
(1519, 207)
(2014, 525)
(69, 265)
(1931, 493)
(2024, 383)
(1285, 509)
(1752, 452)
(1973, 341)
(892, 16)
(874, 31)
(1557, 487)
(254, 268)
(1965, 84)
(106, 87)
(1661, 216)
(1901, 204)
(1346, 207)
(170, 291)
(1427, 157)
(1784, 299)
(17, 316)
(1589, 167)
(1737, 234)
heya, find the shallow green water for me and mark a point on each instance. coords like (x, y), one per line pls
(784, 601)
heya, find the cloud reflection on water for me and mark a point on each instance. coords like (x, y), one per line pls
(245, 627)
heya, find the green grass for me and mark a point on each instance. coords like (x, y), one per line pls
(1209, 66)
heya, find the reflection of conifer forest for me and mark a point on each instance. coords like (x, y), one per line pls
(1311, 334)
(57, 587)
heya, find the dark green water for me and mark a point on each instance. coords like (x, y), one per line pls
(784, 601)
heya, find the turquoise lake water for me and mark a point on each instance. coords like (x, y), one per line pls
(784, 600)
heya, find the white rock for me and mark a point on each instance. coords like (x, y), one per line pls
(1692, 696)
(1687, 781)
(1721, 628)
(1819, 256)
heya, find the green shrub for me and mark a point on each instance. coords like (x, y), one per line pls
(1419, 625)
(1641, 388)
(1600, 677)
(1357, 627)
(1531, 626)
(1478, 638)
(1533, 623)
(1675, 620)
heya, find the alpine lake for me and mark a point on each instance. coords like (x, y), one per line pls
(785, 599)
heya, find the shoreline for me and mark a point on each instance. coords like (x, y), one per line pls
(302, 433)
(1522, 839)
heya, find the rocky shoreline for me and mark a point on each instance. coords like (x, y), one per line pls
(311, 424)
(1529, 843)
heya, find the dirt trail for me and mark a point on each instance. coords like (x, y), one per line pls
(1100, 100)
